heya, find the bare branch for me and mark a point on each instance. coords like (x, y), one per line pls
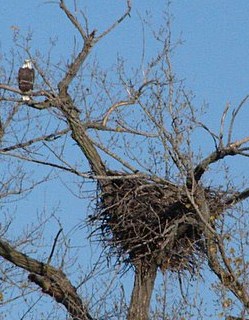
(10, 116)
(54, 245)
(234, 115)
(74, 67)
(214, 245)
(121, 128)
(212, 134)
(15, 90)
(49, 164)
(114, 156)
(74, 21)
(226, 274)
(52, 281)
(222, 124)
(116, 23)
(239, 143)
(230, 150)
(84, 142)
(9, 88)
(238, 197)
(48, 137)
(115, 106)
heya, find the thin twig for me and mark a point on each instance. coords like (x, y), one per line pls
(114, 25)
(114, 156)
(222, 123)
(48, 137)
(234, 115)
(54, 245)
(74, 21)
(115, 106)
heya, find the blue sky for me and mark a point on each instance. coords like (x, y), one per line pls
(213, 60)
(215, 54)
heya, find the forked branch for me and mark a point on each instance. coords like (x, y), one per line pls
(89, 41)
(74, 21)
(75, 65)
(230, 150)
(234, 115)
(78, 61)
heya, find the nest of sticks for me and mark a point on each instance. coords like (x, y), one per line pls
(140, 220)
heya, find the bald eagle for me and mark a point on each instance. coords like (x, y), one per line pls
(26, 76)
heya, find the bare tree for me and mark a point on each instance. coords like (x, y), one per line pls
(154, 211)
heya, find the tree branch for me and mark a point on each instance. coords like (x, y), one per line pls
(9, 88)
(54, 245)
(230, 150)
(52, 281)
(39, 93)
(115, 106)
(121, 128)
(80, 136)
(114, 25)
(222, 124)
(73, 20)
(73, 68)
(234, 115)
(238, 197)
(48, 137)
(225, 274)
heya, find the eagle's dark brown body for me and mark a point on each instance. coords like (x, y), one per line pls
(26, 79)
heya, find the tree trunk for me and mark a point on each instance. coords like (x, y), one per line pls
(145, 276)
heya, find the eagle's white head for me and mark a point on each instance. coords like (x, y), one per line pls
(27, 64)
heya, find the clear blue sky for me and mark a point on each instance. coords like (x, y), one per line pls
(213, 60)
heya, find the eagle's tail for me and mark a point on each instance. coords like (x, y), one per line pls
(25, 98)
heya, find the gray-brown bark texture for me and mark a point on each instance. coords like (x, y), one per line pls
(145, 276)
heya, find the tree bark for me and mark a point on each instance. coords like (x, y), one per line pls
(52, 281)
(145, 276)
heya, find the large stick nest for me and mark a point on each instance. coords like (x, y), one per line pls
(145, 221)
